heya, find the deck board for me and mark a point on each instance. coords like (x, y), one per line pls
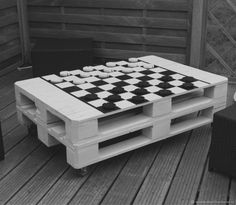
(23, 172)
(132, 176)
(158, 180)
(100, 181)
(214, 188)
(40, 183)
(185, 184)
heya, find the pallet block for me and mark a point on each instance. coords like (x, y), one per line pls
(90, 136)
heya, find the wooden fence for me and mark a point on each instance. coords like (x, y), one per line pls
(221, 38)
(121, 28)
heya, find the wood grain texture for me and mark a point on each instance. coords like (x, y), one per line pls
(184, 186)
(214, 188)
(139, 23)
(100, 181)
(158, 181)
(23, 172)
(41, 182)
(132, 176)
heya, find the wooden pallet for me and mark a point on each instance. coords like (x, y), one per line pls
(90, 137)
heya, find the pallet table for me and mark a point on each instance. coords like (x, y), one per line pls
(102, 111)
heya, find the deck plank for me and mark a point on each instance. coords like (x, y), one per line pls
(100, 181)
(64, 189)
(36, 188)
(23, 172)
(131, 177)
(232, 193)
(17, 154)
(14, 137)
(185, 184)
(159, 178)
(214, 188)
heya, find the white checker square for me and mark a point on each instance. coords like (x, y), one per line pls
(130, 88)
(124, 104)
(92, 79)
(177, 90)
(97, 103)
(140, 63)
(127, 95)
(158, 69)
(69, 78)
(153, 89)
(135, 75)
(151, 97)
(177, 76)
(200, 84)
(121, 63)
(107, 87)
(86, 86)
(111, 80)
(80, 93)
(132, 81)
(64, 85)
(103, 94)
(154, 82)
(176, 83)
(155, 75)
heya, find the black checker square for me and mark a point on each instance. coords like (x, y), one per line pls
(165, 85)
(94, 90)
(188, 86)
(188, 79)
(99, 83)
(137, 99)
(147, 72)
(71, 89)
(105, 108)
(124, 77)
(120, 84)
(145, 78)
(167, 72)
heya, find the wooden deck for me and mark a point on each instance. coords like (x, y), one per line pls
(173, 171)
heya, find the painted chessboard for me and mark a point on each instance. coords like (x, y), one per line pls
(123, 84)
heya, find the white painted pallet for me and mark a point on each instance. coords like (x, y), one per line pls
(61, 118)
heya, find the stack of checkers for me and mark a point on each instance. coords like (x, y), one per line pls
(122, 85)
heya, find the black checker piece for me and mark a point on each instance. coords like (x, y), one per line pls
(188, 79)
(188, 86)
(164, 93)
(165, 85)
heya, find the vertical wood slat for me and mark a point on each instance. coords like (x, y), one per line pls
(24, 30)
(198, 33)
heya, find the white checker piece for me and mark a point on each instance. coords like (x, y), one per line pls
(80, 93)
(97, 103)
(99, 67)
(124, 104)
(92, 79)
(116, 74)
(76, 72)
(139, 69)
(121, 63)
(64, 85)
(118, 68)
(51, 77)
(86, 86)
(70, 78)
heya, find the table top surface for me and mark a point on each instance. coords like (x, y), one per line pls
(98, 91)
